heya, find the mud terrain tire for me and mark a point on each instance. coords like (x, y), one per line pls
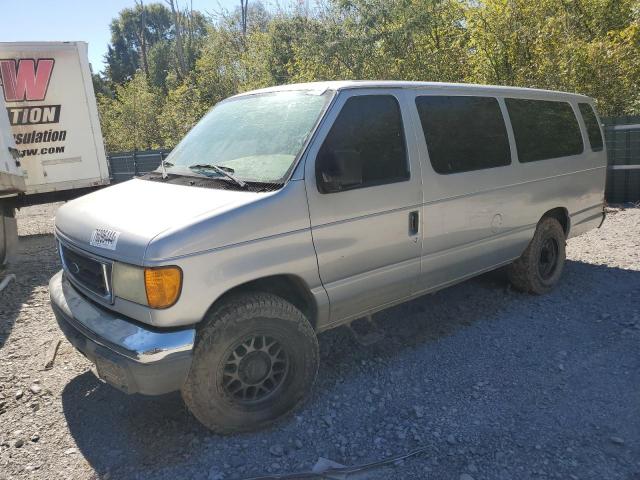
(255, 360)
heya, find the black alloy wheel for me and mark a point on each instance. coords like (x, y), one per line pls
(255, 369)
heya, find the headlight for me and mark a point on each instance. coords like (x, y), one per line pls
(128, 283)
(157, 287)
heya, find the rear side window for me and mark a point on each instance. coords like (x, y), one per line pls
(593, 129)
(365, 147)
(463, 133)
(544, 129)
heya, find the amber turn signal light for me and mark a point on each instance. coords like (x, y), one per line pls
(162, 285)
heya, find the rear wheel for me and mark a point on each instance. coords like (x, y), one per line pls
(255, 359)
(540, 266)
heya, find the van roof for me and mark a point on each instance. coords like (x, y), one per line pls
(434, 86)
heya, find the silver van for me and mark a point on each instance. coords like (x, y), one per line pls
(291, 210)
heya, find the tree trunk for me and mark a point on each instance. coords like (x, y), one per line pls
(142, 38)
(244, 10)
(179, 46)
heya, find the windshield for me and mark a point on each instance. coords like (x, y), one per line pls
(257, 137)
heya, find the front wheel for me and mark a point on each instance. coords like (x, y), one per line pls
(255, 359)
(540, 266)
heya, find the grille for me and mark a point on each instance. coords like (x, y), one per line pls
(86, 271)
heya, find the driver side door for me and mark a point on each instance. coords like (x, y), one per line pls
(362, 178)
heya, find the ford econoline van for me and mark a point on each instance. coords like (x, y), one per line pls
(291, 210)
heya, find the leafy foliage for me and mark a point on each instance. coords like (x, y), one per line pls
(586, 46)
(131, 119)
(154, 89)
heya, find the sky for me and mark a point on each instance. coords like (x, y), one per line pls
(76, 20)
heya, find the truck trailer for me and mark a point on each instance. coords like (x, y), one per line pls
(11, 185)
(53, 118)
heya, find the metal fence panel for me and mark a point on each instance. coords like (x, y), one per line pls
(126, 165)
(622, 135)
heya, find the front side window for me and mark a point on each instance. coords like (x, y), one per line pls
(256, 138)
(365, 146)
(463, 133)
(544, 129)
(593, 129)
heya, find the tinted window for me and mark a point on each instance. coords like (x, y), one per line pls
(463, 133)
(365, 146)
(593, 129)
(544, 129)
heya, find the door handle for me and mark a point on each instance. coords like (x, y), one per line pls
(414, 223)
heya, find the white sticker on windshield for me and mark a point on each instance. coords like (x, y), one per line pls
(103, 238)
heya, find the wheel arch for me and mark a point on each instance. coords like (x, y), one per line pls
(289, 287)
(562, 215)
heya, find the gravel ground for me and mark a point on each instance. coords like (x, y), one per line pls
(492, 384)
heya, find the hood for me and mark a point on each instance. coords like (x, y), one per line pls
(118, 222)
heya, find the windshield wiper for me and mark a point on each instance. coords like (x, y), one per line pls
(163, 167)
(224, 171)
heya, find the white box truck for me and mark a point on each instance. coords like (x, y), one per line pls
(11, 184)
(54, 119)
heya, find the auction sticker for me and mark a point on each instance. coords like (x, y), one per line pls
(103, 238)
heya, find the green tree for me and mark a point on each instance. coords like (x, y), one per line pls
(269, 57)
(403, 39)
(130, 121)
(219, 71)
(586, 46)
(181, 111)
(133, 34)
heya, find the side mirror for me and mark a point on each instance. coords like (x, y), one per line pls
(338, 170)
(328, 172)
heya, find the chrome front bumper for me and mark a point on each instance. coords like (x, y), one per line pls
(132, 357)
